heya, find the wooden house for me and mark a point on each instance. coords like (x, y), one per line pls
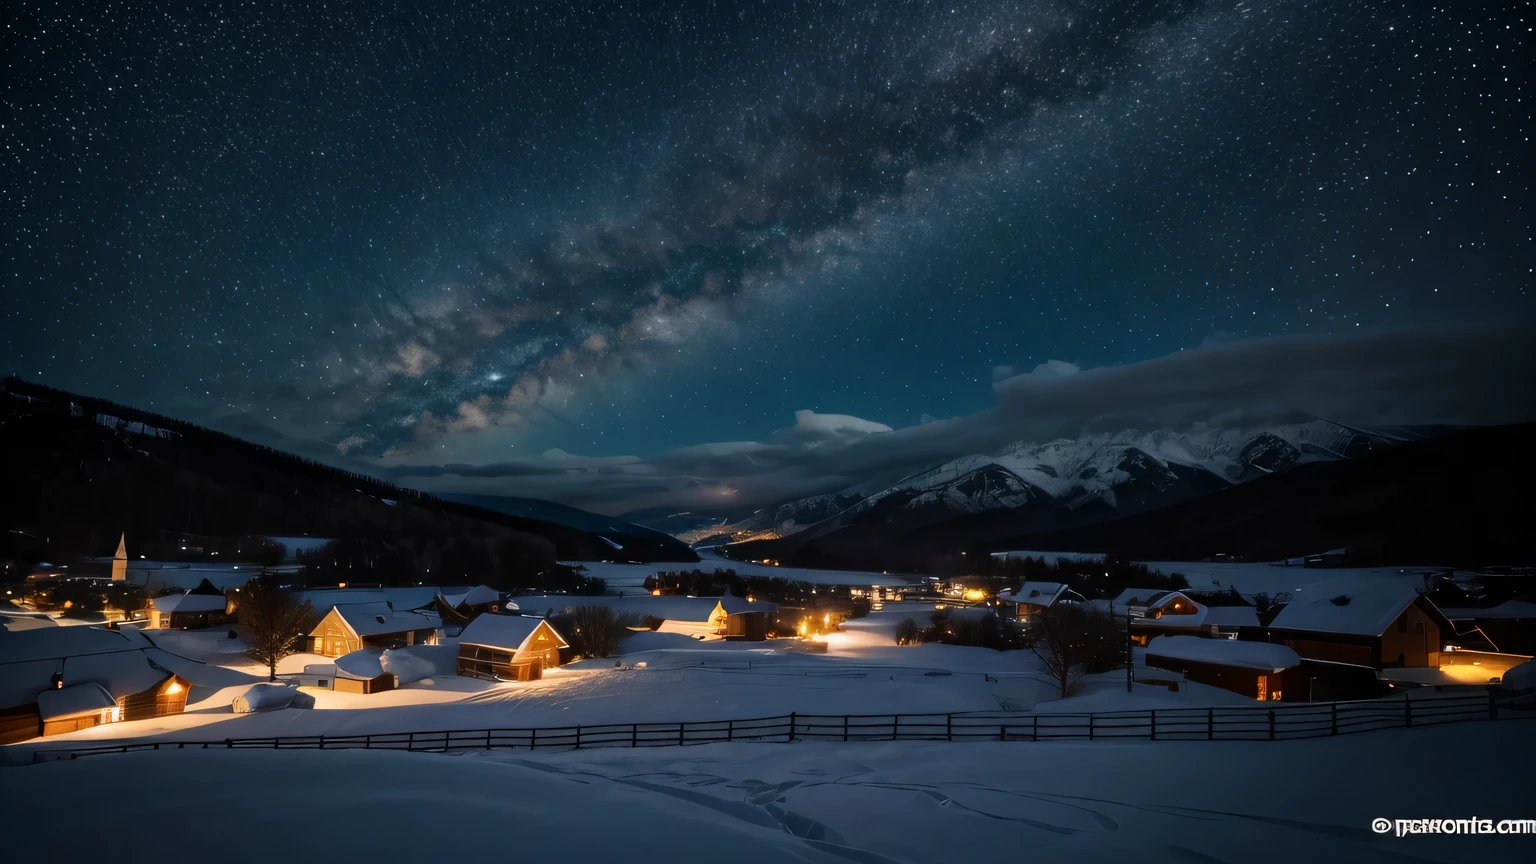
(355, 626)
(1031, 598)
(188, 611)
(1258, 670)
(1381, 623)
(362, 672)
(508, 648)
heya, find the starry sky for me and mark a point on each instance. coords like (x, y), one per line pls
(589, 237)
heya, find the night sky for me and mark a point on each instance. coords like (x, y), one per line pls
(476, 233)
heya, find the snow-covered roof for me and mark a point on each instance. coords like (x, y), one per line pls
(1507, 609)
(1034, 593)
(502, 631)
(45, 642)
(1231, 616)
(1224, 652)
(412, 596)
(361, 665)
(25, 621)
(326, 599)
(190, 603)
(376, 619)
(1522, 677)
(734, 605)
(475, 596)
(1362, 609)
(1137, 596)
(122, 673)
(73, 701)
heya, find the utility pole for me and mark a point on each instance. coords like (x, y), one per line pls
(1128, 662)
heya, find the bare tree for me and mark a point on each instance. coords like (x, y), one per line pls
(595, 631)
(1071, 639)
(276, 620)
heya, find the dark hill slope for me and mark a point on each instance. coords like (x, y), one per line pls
(80, 470)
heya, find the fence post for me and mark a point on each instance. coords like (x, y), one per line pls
(578, 736)
(791, 725)
(410, 743)
(487, 739)
(322, 742)
(730, 730)
(1034, 727)
(1090, 727)
(1333, 716)
(1493, 707)
(1210, 724)
(680, 733)
(533, 738)
(1154, 724)
(1407, 712)
(896, 727)
(845, 728)
(1271, 724)
(949, 727)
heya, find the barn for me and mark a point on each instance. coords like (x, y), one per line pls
(1384, 623)
(1258, 670)
(508, 648)
(354, 626)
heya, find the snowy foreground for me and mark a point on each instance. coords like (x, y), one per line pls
(876, 802)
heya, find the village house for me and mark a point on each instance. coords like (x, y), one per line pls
(354, 626)
(60, 679)
(727, 617)
(508, 648)
(1031, 598)
(1381, 624)
(203, 606)
(461, 607)
(1258, 670)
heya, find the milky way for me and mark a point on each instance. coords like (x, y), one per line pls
(472, 232)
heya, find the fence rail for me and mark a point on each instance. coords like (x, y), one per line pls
(1246, 723)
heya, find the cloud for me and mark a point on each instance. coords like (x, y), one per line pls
(1453, 375)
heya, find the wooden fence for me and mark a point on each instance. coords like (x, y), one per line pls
(1276, 722)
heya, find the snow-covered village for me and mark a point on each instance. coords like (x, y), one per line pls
(669, 431)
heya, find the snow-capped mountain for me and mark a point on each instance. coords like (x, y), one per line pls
(1098, 475)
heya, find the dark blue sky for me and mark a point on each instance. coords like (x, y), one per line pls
(474, 232)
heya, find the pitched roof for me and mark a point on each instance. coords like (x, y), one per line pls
(1350, 607)
(476, 596)
(1034, 593)
(503, 631)
(1224, 652)
(376, 619)
(72, 701)
(190, 602)
(54, 642)
(734, 605)
(361, 665)
(122, 673)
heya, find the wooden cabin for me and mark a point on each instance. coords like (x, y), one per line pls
(508, 648)
(1385, 623)
(353, 627)
(1030, 598)
(1258, 670)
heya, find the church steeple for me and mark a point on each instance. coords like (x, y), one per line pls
(120, 560)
